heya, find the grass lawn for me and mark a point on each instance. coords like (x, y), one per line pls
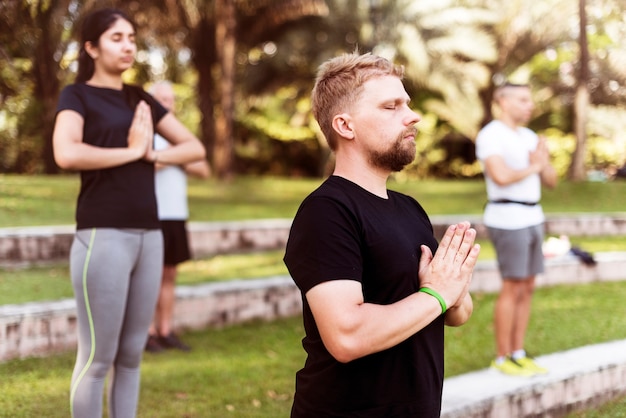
(50, 200)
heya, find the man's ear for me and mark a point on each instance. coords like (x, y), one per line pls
(343, 126)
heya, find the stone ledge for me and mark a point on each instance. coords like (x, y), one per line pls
(580, 378)
(25, 246)
(41, 328)
(236, 301)
(611, 266)
(571, 224)
(37, 328)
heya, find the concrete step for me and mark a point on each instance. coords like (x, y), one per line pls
(25, 246)
(580, 378)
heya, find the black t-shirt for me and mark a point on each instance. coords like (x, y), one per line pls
(342, 231)
(116, 197)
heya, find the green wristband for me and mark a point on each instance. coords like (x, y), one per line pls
(437, 296)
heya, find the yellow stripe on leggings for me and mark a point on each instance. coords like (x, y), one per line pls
(90, 317)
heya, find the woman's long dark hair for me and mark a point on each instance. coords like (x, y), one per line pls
(94, 25)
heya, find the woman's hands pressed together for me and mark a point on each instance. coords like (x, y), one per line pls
(141, 133)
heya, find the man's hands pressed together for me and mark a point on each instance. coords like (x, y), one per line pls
(449, 271)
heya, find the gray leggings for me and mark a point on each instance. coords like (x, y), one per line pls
(116, 274)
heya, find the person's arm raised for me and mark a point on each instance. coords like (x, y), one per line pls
(200, 169)
(185, 147)
(71, 153)
(503, 175)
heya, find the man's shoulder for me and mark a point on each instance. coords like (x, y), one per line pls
(331, 191)
(527, 132)
(401, 196)
(493, 126)
(334, 186)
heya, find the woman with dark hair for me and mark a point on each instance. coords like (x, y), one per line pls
(104, 129)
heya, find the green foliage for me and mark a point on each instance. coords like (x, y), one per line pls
(450, 49)
(17, 112)
(186, 108)
(282, 116)
(602, 154)
(547, 65)
(34, 284)
(446, 48)
(561, 147)
(37, 200)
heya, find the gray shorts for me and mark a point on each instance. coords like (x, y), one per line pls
(518, 251)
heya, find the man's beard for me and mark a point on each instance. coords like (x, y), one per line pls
(397, 156)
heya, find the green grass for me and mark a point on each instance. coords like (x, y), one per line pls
(51, 200)
(52, 282)
(248, 370)
(613, 409)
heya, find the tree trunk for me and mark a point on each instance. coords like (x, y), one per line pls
(581, 102)
(46, 85)
(204, 58)
(225, 22)
(46, 89)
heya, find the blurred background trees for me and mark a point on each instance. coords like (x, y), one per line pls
(243, 71)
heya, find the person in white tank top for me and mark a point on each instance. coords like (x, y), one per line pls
(516, 164)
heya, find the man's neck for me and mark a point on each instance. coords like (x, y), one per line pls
(371, 179)
(509, 122)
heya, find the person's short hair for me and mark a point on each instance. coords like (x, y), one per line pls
(501, 90)
(339, 83)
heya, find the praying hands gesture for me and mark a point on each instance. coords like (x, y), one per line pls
(540, 157)
(449, 272)
(140, 134)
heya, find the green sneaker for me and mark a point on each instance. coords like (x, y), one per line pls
(512, 368)
(529, 364)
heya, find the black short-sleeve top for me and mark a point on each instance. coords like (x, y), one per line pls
(122, 196)
(342, 231)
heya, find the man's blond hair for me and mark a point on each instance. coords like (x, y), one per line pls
(339, 83)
